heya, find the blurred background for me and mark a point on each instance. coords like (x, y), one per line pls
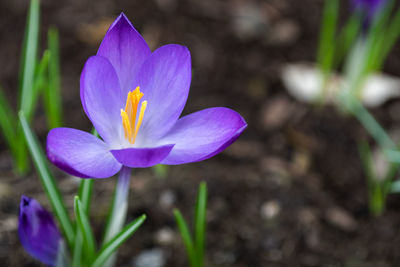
(290, 192)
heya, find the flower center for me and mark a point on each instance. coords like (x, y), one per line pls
(131, 128)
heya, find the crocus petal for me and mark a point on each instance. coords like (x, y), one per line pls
(102, 98)
(80, 154)
(203, 134)
(141, 157)
(164, 79)
(38, 232)
(125, 48)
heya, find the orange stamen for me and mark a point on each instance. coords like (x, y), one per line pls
(139, 122)
(131, 128)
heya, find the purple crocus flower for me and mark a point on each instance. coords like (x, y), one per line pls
(37, 231)
(368, 7)
(134, 98)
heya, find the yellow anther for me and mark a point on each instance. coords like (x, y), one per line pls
(126, 124)
(139, 122)
(129, 114)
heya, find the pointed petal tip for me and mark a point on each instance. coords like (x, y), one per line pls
(203, 134)
(229, 141)
(121, 20)
(126, 50)
(25, 198)
(176, 48)
(25, 201)
(122, 15)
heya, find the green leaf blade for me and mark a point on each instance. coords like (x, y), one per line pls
(347, 38)
(77, 251)
(7, 122)
(85, 193)
(186, 237)
(47, 180)
(111, 246)
(85, 228)
(40, 78)
(200, 223)
(52, 94)
(29, 57)
(325, 54)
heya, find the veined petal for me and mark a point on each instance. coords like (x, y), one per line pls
(125, 48)
(141, 157)
(102, 98)
(80, 154)
(164, 79)
(37, 231)
(203, 134)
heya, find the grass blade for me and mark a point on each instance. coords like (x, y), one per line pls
(368, 121)
(40, 77)
(110, 247)
(47, 180)
(85, 193)
(377, 201)
(366, 158)
(391, 36)
(390, 177)
(52, 94)
(14, 139)
(77, 252)
(29, 54)
(7, 122)
(376, 39)
(186, 237)
(200, 223)
(85, 228)
(376, 185)
(326, 47)
(346, 38)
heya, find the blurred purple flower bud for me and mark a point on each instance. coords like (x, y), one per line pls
(369, 7)
(38, 232)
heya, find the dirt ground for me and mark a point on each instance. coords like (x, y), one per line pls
(289, 192)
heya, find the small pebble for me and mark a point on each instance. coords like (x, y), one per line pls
(165, 236)
(271, 209)
(167, 199)
(224, 257)
(284, 32)
(150, 258)
(9, 224)
(275, 113)
(249, 21)
(341, 219)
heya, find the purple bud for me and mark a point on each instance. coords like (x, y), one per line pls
(37, 231)
(369, 7)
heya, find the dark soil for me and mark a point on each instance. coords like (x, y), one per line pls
(289, 192)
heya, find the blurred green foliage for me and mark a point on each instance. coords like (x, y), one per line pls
(36, 78)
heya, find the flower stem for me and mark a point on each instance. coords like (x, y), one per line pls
(118, 211)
